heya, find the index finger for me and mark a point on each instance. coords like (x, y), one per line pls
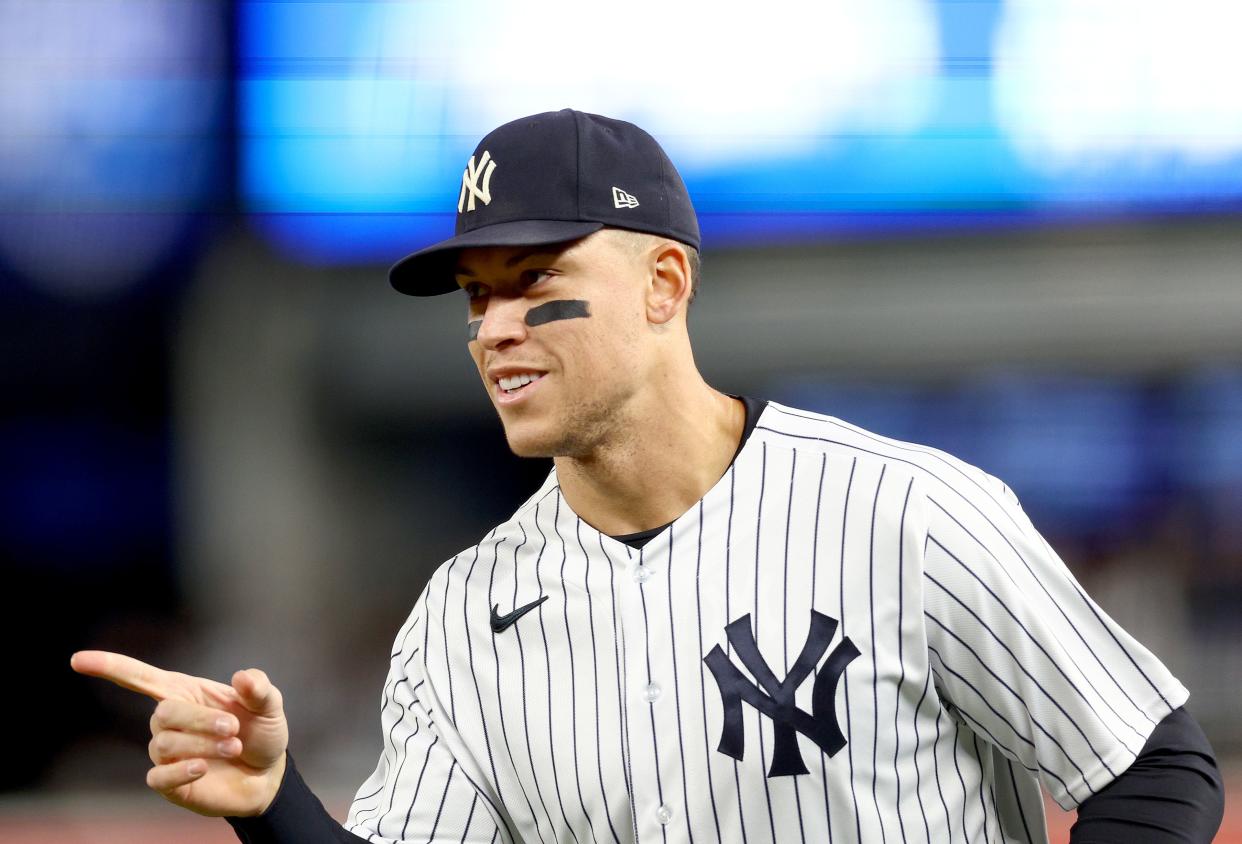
(125, 671)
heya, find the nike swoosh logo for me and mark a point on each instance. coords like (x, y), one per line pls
(501, 623)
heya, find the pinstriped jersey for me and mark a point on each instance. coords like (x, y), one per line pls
(848, 638)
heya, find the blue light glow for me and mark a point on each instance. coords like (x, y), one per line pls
(111, 136)
(963, 114)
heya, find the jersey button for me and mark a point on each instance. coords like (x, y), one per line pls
(664, 814)
(643, 573)
(651, 692)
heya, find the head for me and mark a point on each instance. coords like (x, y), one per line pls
(578, 246)
(572, 339)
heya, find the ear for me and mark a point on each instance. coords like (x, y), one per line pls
(668, 291)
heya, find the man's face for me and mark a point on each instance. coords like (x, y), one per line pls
(559, 333)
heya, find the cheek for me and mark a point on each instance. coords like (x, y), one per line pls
(602, 345)
(573, 347)
(604, 348)
(476, 355)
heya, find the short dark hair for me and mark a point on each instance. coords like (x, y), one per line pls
(696, 271)
(692, 255)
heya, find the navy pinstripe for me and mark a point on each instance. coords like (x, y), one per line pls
(978, 655)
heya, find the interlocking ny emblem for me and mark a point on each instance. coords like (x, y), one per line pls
(778, 704)
(470, 182)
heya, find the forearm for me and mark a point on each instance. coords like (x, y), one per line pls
(295, 817)
(1172, 793)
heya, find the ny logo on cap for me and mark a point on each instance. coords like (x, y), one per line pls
(470, 179)
(621, 199)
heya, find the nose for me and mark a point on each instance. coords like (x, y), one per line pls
(504, 323)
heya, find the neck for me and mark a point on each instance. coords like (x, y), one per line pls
(650, 472)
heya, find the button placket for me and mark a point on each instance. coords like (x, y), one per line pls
(651, 805)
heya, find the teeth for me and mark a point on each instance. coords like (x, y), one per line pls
(513, 382)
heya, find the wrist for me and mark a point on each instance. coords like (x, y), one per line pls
(274, 779)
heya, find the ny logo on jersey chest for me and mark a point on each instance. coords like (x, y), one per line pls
(820, 726)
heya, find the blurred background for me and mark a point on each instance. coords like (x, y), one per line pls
(1008, 229)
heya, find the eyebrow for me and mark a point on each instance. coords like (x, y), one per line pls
(514, 260)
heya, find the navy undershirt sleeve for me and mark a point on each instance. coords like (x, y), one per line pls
(295, 817)
(1172, 793)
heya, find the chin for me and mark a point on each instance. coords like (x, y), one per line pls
(576, 431)
(526, 440)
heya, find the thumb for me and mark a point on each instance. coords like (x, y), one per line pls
(256, 692)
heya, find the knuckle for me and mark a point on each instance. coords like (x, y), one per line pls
(165, 744)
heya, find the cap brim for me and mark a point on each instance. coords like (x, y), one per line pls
(429, 271)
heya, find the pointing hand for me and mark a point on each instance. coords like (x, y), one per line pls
(218, 749)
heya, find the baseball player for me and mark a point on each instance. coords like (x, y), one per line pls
(719, 619)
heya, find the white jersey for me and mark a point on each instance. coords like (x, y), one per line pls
(848, 638)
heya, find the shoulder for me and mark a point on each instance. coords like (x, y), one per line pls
(499, 545)
(934, 472)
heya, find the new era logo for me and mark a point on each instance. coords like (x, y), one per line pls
(621, 199)
(476, 182)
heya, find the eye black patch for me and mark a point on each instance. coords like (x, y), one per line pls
(559, 309)
(472, 330)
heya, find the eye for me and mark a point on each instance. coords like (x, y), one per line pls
(532, 277)
(475, 290)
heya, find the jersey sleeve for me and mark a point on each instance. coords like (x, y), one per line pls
(422, 788)
(1019, 651)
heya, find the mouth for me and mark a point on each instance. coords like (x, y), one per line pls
(512, 389)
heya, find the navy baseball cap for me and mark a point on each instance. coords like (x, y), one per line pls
(552, 178)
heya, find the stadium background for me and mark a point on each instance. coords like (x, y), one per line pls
(1007, 229)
